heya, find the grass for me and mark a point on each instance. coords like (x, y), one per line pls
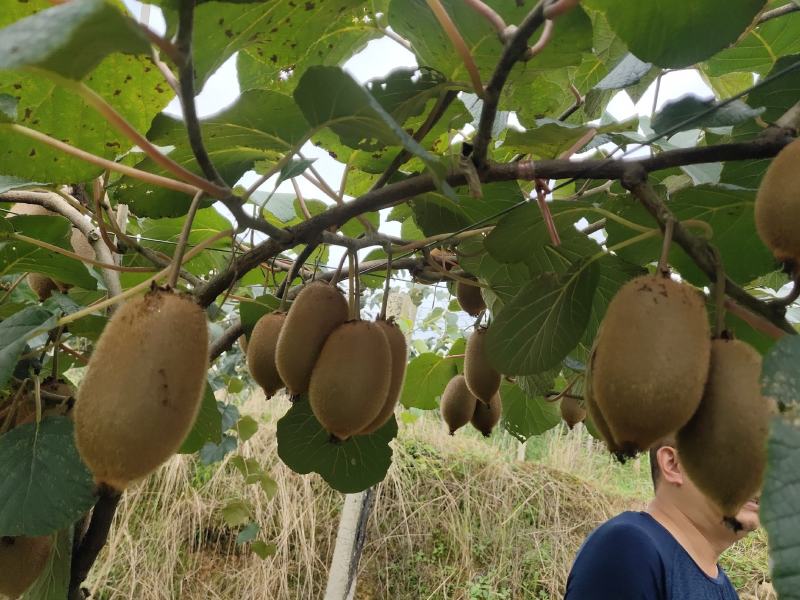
(455, 518)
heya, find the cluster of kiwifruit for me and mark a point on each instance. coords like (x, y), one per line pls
(42, 285)
(654, 370)
(23, 559)
(352, 370)
(473, 397)
(142, 388)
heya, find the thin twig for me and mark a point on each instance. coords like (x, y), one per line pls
(458, 43)
(778, 12)
(69, 254)
(666, 244)
(719, 293)
(296, 266)
(300, 199)
(338, 273)
(789, 298)
(385, 302)
(488, 13)
(177, 260)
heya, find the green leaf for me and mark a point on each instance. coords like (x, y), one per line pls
(259, 126)
(780, 507)
(628, 71)
(45, 486)
(329, 97)
(350, 466)
(678, 33)
(757, 51)
(236, 513)
(207, 427)
(15, 331)
(426, 377)
(780, 377)
(248, 534)
(22, 257)
(247, 428)
(525, 416)
(551, 138)
(8, 108)
(263, 549)
(55, 39)
(251, 312)
(684, 114)
(544, 322)
(53, 583)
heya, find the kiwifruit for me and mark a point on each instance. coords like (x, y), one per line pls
(399, 351)
(486, 416)
(351, 378)
(42, 285)
(777, 208)
(482, 379)
(572, 412)
(142, 388)
(22, 560)
(650, 361)
(458, 404)
(318, 309)
(80, 244)
(723, 448)
(261, 352)
(470, 299)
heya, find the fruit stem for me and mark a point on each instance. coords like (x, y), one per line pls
(293, 271)
(458, 43)
(663, 260)
(385, 302)
(335, 279)
(183, 240)
(143, 285)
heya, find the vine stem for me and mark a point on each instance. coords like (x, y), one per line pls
(165, 182)
(458, 43)
(283, 292)
(488, 13)
(335, 279)
(177, 260)
(120, 124)
(386, 287)
(145, 284)
(64, 252)
(663, 260)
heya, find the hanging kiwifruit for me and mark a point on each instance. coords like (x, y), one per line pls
(482, 379)
(22, 560)
(261, 352)
(318, 309)
(470, 299)
(351, 378)
(723, 448)
(41, 285)
(572, 412)
(399, 352)
(777, 209)
(142, 388)
(486, 416)
(650, 361)
(458, 404)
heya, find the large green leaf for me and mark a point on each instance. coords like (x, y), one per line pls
(15, 331)
(678, 33)
(780, 377)
(426, 377)
(550, 138)
(207, 426)
(22, 257)
(757, 51)
(55, 39)
(691, 112)
(780, 507)
(45, 486)
(544, 322)
(259, 126)
(504, 279)
(525, 416)
(350, 466)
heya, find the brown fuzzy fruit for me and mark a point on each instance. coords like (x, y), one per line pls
(482, 379)
(470, 298)
(596, 424)
(777, 209)
(650, 361)
(22, 560)
(318, 309)
(399, 351)
(486, 416)
(142, 388)
(261, 352)
(572, 412)
(351, 379)
(42, 285)
(723, 448)
(458, 404)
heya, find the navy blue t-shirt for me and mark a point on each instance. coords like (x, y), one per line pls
(632, 557)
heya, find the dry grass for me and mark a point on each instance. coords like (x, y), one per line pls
(455, 518)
